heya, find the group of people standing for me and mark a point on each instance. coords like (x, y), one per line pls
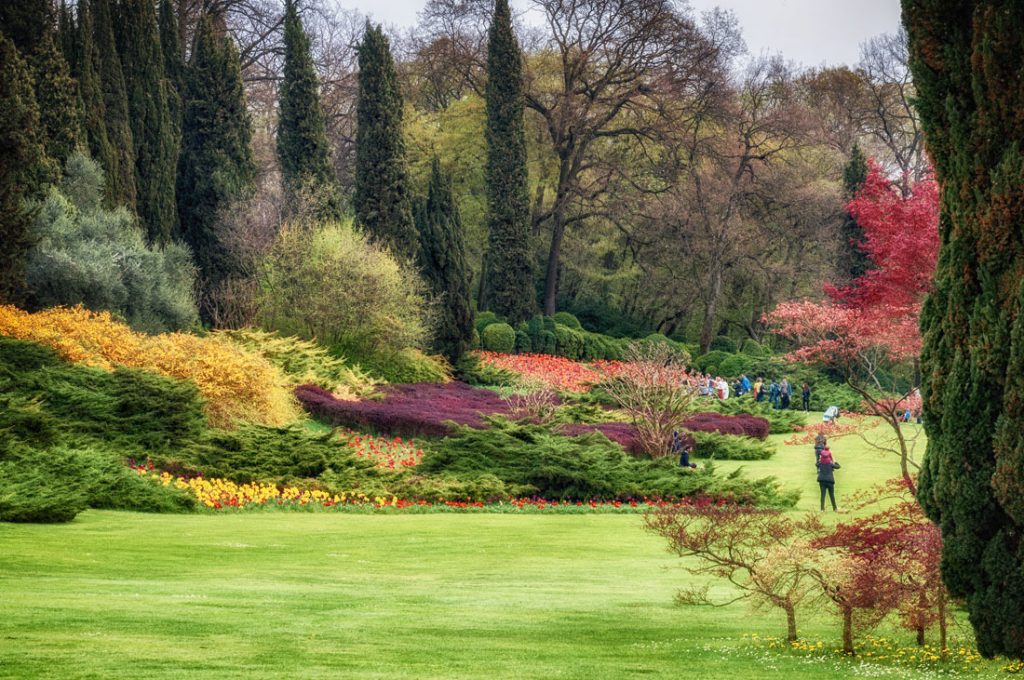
(779, 394)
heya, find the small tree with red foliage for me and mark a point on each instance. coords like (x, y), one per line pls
(873, 323)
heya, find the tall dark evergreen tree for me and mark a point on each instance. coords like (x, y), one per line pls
(302, 146)
(442, 260)
(153, 130)
(25, 169)
(382, 199)
(967, 60)
(120, 167)
(25, 21)
(216, 166)
(67, 36)
(174, 62)
(92, 107)
(57, 98)
(508, 288)
(852, 261)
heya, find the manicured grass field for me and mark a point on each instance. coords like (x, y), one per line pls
(322, 595)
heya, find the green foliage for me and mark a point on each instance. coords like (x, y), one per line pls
(302, 147)
(485, 319)
(154, 132)
(472, 371)
(508, 275)
(382, 197)
(709, 363)
(409, 365)
(717, 446)
(89, 255)
(567, 319)
(475, 342)
(549, 343)
(90, 92)
(852, 261)
(216, 167)
(110, 81)
(25, 169)
(442, 259)
(523, 343)
(780, 421)
(57, 98)
(499, 337)
(174, 64)
(568, 342)
(825, 394)
(597, 346)
(304, 361)
(33, 489)
(532, 460)
(735, 365)
(331, 284)
(25, 22)
(753, 348)
(724, 343)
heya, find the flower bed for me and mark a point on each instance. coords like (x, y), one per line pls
(555, 372)
(387, 453)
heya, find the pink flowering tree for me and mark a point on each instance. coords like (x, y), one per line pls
(872, 324)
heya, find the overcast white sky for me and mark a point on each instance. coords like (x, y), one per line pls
(810, 32)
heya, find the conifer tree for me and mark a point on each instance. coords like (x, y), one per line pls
(153, 131)
(25, 21)
(25, 169)
(57, 99)
(120, 165)
(174, 62)
(508, 288)
(852, 261)
(302, 146)
(442, 260)
(91, 106)
(967, 57)
(216, 166)
(67, 36)
(382, 200)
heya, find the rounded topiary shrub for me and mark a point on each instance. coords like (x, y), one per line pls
(725, 344)
(498, 337)
(485, 319)
(710, 362)
(752, 348)
(548, 343)
(567, 319)
(735, 365)
(523, 344)
(568, 342)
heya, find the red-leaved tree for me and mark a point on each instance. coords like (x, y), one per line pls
(872, 324)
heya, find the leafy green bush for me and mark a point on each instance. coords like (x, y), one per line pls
(549, 344)
(825, 394)
(86, 254)
(723, 343)
(36, 488)
(534, 460)
(753, 348)
(499, 337)
(735, 365)
(410, 365)
(568, 320)
(568, 342)
(485, 319)
(330, 283)
(523, 344)
(730, 447)
(472, 371)
(474, 342)
(710, 362)
(779, 421)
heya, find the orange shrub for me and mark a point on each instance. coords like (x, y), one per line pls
(236, 384)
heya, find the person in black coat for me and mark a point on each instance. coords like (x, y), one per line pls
(826, 480)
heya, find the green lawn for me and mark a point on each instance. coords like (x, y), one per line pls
(295, 595)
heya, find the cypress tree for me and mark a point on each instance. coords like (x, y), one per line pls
(68, 37)
(174, 62)
(508, 288)
(120, 165)
(852, 262)
(967, 60)
(302, 147)
(442, 260)
(57, 98)
(24, 171)
(153, 131)
(25, 21)
(92, 108)
(382, 201)
(216, 166)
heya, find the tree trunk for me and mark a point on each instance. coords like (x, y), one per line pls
(942, 619)
(848, 631)
(481, 299)
(790, 622)
(554, 255)
(711, 308)
(920, 636)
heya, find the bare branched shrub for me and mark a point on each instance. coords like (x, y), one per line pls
(537, 403)
(656, 391)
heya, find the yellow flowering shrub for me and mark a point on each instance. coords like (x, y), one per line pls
(236, 384)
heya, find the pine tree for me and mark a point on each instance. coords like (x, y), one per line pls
(508, 289)
(25, 21)
(24, 171)
(967, 60)
(442, 260)
(382, 200)
(852, 261)
(120, 165)
(57, 98)
(216, 166)
(153, 130)
(302, 146)
(91, 106)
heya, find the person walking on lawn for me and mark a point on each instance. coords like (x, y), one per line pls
(826, 479)
(819, 445)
